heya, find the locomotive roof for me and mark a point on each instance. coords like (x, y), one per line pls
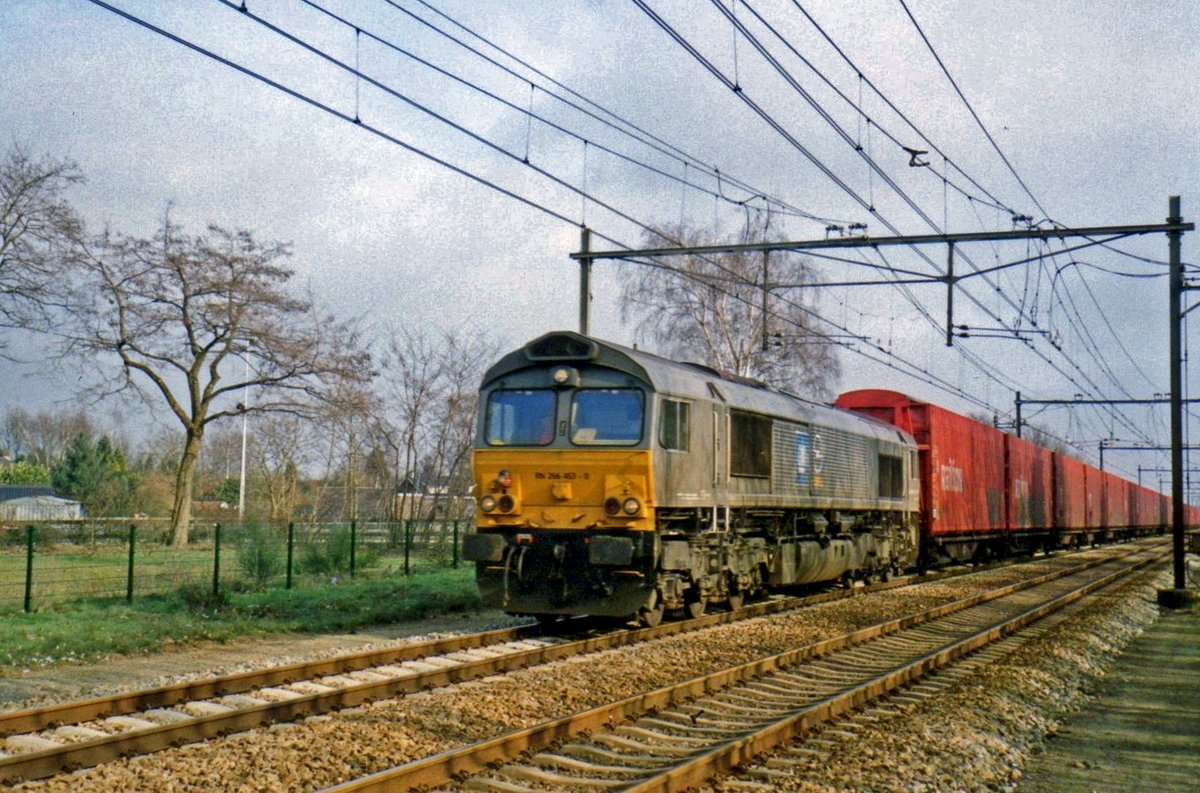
(682, 379)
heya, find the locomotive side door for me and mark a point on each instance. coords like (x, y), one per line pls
(720, 453)
(720, 445)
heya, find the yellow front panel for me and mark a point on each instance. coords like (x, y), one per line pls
(566, 488)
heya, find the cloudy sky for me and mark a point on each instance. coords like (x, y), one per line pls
(626, 114)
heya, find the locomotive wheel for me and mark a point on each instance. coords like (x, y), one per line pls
(652, 617)
(736, 599)
(694, 608)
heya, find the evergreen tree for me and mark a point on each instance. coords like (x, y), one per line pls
(24, 473)
(96, 475)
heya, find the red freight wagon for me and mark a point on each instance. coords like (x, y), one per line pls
(1116, 501)
(1147, 506)
(1030, 484)
(961, 461)
(1162, 509)
(1075, 504)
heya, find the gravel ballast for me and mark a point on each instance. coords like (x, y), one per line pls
(328, 749)
(980, 734)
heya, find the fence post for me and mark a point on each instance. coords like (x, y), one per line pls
(407, 544)
(216, 560)
(29, 568)
(291, 544)
(129, 578)
(454, 547)
(353, 543)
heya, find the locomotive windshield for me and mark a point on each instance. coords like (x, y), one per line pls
(610, 416)
(520, 418)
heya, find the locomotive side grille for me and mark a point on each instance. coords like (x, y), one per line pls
(821, 461)
(843, 465)
(790, 465)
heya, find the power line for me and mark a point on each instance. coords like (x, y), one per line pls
(393, 139)
(995, 202)
(971, 109)
(791, 48)
(602, 115)
(928, 376)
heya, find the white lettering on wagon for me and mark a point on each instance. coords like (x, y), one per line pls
(952, 478)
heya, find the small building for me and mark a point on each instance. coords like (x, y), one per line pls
(40, 508)
(415, 499)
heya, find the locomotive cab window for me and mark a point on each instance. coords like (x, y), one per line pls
(749, 445)
(673, 425)
(520, 417)
(607, 416)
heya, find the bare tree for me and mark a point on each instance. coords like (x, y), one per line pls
(36, 226)
(279, 452)
(710, 309)
(464, 356)
(192, 321)
(43, 437)
(430, 383)
(343, 425)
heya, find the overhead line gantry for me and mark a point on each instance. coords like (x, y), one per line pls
(1173, 228)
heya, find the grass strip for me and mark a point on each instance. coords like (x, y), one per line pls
(87, 629)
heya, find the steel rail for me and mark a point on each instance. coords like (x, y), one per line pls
(33, 719)
(39, 718)
(30, 720)
(444, 767)
(48, 762)
(43, 763)
(728, 756)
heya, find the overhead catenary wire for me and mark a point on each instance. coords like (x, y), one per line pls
(600, 113)
(743, 96)
(897, 363)
(528, 112)
(561, 216)
(992, 200)
(971, 110)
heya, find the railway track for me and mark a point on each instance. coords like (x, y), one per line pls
(677, 737)
(49, 740)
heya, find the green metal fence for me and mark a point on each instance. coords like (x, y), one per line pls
(55, 562)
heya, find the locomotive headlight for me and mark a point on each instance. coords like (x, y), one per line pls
(504, 479)
(631, 506)
(612, 506)
(487, 503)
(507, 503)
(564, 376)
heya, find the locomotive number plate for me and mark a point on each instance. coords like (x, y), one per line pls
(566, 476)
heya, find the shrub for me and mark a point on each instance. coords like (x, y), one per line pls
(260, 554)
(330, 555)
(200, 597)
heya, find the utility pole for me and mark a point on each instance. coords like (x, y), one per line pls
(766, 271)
(1174, 239)
(950, 295)
(585, 278)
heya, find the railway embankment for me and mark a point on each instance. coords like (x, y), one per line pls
(1141, 730)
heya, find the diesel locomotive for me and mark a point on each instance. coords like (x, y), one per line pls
(610, 481)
